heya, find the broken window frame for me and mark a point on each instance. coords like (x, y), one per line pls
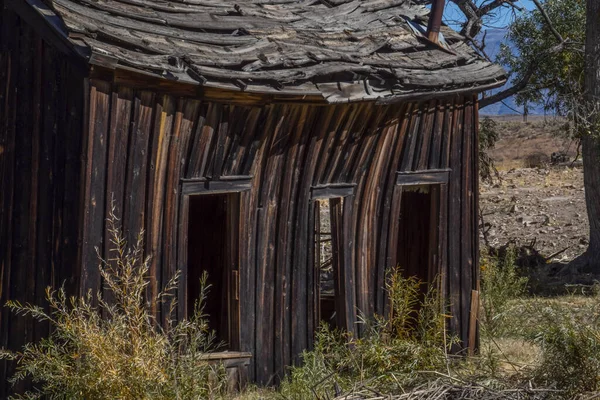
(344, 274)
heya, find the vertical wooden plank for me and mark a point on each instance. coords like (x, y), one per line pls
(443, 248)
(8, 127)
(196, 152)
(348, 276)
(454, 219)
(312, 305)
(249, 165)
(71, 167)
(136, 178)
(338, 153)
(467, 233)
(182, 259)
(240, 122)
(118, 138)
(433, 265)
(171, 205)
(316, 264)
(427, 133)
(286, 246)
(367, 236)
(250, 215)
(473, 315)
(436, 145)
(476, 255)
(22, 277)
(336, 213)
(248, 239)
(368, 117)
(95, 178)
(329, 140)
(216, 168)
(394, 230)
(51, 107)
(37, 274)
(233, 275)
(266, 255)
(161, 137)
(388, 248)
(211, 139)
(360, 174)
(243, 138)
(189, 120)
(447, 132)
(408, 154)
(313, 136)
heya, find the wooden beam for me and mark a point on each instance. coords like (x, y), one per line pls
(202, 186)
(430, 177)
(332, 191)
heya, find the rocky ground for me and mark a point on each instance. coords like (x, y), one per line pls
(544, 205)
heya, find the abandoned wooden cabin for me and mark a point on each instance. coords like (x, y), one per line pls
(221, 128)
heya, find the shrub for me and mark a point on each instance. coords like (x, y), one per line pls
(390, 353)
(500, 285)
(570, 357)
(570, 345)
(488, 136)
(115, 350)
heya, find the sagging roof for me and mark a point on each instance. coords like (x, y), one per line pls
(343, 50)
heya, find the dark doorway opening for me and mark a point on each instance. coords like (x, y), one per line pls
(213, 248)
(417, 236)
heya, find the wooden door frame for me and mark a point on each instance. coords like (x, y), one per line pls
(438, 180)
(344, 281)
(200, 187)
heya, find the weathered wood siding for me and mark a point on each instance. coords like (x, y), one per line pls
(69, 144)
(142, 144)
(41, 112)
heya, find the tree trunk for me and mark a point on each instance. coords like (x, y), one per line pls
(591, 141)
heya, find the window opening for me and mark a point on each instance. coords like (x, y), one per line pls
(328, 255)
(213, 236)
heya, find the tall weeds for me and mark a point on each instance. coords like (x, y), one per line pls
(115, 349)
(390, 354)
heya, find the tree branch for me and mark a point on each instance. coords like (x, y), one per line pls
(524, 81)
(546, 17)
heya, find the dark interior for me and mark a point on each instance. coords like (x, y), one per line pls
(208, 249)
(414, 242)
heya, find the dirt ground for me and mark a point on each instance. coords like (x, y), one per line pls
(543, 205)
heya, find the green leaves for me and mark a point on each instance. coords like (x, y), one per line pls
(556, 69)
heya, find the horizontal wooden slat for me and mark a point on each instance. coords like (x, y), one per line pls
(203, 186)
(333, 190)
(429, 177)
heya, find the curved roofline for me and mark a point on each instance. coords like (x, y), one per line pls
(414, 84)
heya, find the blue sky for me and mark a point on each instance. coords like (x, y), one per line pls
(504, 15)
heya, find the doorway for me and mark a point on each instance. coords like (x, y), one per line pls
(213, 249)
(417, 246)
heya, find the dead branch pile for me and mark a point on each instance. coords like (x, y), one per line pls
(452, 389)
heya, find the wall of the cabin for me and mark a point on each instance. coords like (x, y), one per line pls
(41, 110)
(58, 130)
(142, 144)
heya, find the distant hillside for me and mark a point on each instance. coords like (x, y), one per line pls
(493, 39)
